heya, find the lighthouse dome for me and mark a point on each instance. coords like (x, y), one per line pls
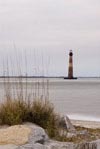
(70, 53)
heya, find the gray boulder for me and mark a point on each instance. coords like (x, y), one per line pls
(38, 134)
(65, 123)
(37, 138)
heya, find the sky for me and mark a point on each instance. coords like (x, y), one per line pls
(36, 36)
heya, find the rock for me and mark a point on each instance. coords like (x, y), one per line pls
(69, 130)
(16, 135)
(37, 139)
(86, 145)
(23, 136)
(62, 123)
(66, 145)
(10, 146)
(38, 134)
(65, 123)
(60, 145)
(33, 146)
(69, 125)
(98, 143)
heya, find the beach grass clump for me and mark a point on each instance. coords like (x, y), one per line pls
(40, 112)
(44, 115)
(13, 112)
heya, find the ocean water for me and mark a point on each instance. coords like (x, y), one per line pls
(79, 99)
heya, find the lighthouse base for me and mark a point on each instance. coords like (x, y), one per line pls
(74, 78)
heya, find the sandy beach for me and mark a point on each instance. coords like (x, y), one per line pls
(87, 124)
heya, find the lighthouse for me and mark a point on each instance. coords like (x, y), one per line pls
(70, 68)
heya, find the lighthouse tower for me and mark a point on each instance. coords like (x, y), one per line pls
(70, 68)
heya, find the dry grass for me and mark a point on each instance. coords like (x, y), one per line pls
(21, 105)
(39, 111)
(13, 112)
(42, 113)
(92, 135)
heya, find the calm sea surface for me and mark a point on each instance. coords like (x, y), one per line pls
(80, 99)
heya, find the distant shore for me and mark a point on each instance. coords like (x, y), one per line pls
(60, 77)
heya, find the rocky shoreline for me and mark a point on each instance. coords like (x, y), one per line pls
(31, 136)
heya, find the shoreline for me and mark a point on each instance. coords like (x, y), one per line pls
(87, 124)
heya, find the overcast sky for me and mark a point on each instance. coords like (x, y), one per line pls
(36, 35)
